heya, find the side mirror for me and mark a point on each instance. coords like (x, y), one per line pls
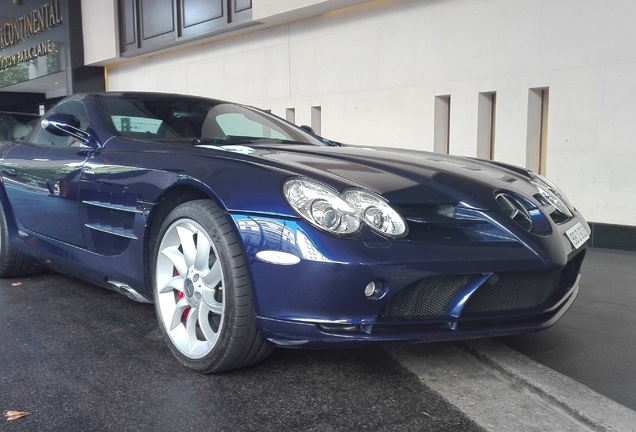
(65, 125)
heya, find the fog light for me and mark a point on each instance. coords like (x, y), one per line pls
(375, 290)
(339, 327)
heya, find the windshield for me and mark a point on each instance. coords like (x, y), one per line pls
(196, 120)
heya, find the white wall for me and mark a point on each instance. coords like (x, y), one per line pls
(376, 68)
(99, 28)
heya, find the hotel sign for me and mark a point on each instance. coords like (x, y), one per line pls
(37, 21)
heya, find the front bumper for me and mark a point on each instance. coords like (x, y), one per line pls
(454, 287)
(309, 335)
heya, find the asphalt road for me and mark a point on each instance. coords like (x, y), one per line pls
(79, 357)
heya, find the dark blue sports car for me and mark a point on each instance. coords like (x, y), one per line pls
(248, 232)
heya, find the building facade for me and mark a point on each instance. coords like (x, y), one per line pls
(42, 54)
(545, 84)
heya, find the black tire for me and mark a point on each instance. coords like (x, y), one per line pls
(11, 263)
(202, 291)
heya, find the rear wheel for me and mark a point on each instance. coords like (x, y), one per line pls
(11, 263)
(202, 292)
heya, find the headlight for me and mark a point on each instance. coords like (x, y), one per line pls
(552, 194)
(342, 213)
(375, 212)
(321, 206)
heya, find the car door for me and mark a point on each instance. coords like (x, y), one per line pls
(41, 176)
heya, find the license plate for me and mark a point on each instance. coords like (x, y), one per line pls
(577, 235)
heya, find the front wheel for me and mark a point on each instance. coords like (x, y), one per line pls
(202, 292)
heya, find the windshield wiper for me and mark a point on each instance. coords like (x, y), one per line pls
(203, 141)
(236, 140)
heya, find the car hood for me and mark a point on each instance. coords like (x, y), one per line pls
(401, 176)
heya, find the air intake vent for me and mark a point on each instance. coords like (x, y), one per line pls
(428, 298)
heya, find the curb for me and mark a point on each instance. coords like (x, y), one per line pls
(501, 389)
(581, 402)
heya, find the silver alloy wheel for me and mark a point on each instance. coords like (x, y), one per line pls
(189, 287)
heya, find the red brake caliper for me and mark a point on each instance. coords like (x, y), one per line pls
(181, 295)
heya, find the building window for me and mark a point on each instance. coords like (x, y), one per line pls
(486, 117)
(152, 25)
(316, 119)
(537, 140)
(290, 115)
(441, 127)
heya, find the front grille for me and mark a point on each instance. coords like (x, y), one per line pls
(511, 292)
(431, 297)
(428, 298)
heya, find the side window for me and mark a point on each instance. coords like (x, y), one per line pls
(44, 138)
